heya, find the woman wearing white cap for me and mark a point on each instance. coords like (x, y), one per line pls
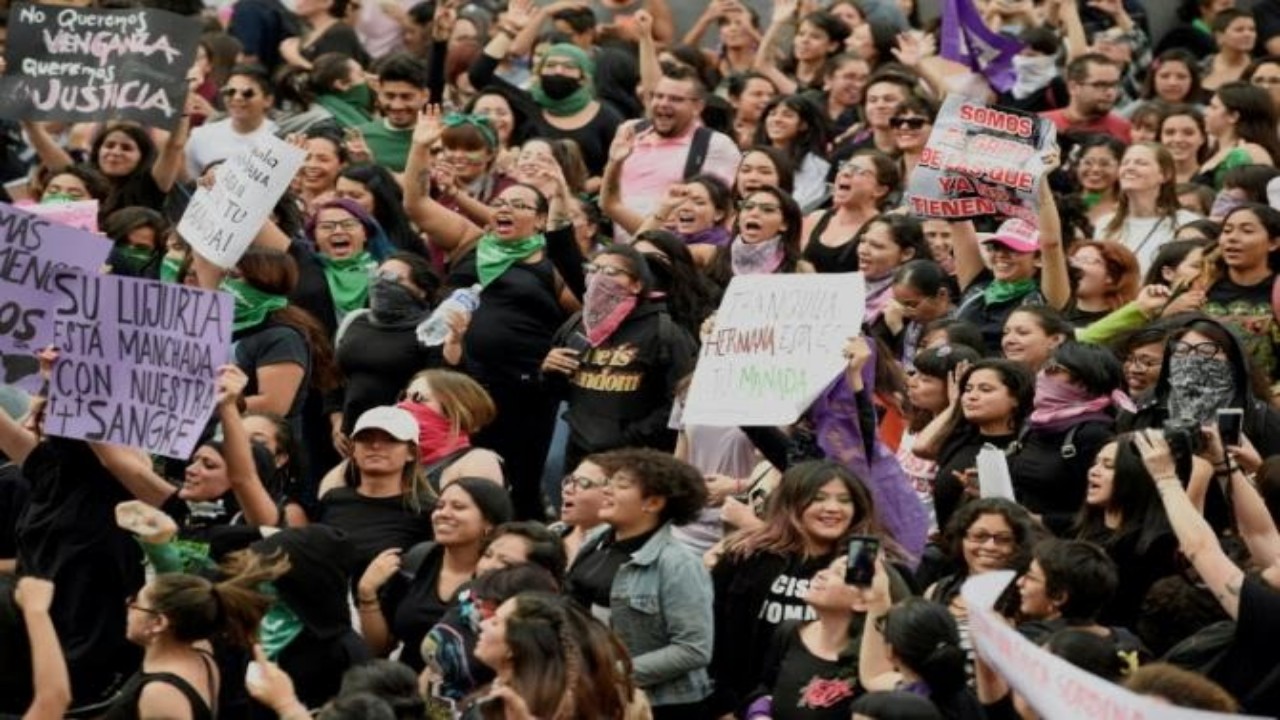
(380, 496)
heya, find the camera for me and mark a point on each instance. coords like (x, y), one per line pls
(1184, 437)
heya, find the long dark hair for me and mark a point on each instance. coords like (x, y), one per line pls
(388, 205)
(689, 295)
(1017, 380)
(812, 137)
(925, 638)
(721, 269)
(275, 272)
(1134, 497)
(1173, 55)
(1257, 123)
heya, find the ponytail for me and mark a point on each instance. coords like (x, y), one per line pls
(924, 637)
(240, 602)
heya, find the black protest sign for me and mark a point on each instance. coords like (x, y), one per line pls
(78, 64)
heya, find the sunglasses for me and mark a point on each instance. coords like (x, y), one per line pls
(246, 93)
(909, 123)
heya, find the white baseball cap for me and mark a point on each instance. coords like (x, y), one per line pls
(396, 422)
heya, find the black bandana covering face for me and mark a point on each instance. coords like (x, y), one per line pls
(1198, 388)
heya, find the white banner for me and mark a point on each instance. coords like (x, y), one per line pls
(220, 223)
(1055, 688)
(776, 345)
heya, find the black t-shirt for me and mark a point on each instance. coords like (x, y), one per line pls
(590, 580)
(803, 685)
(593, 138)
(312, 291)
(1050, 481)
(1248, 311)
(378, 363)
(990, 318)
(959, 453)
(339, 38)
(510, 332)
(273, 344)
(414, 607)
(139, 189)
(68, 534)
(14, 491)
(373, 524)
(1251, 668)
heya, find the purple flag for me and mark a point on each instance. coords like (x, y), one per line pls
(966, 39)
(33, 251)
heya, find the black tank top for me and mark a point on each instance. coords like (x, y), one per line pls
(826, 259)
(125, 706)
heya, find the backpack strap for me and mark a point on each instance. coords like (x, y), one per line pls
(697, 156)
(666, 337)
(1069, 443)
(414, 559)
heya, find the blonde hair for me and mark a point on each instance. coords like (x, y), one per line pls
(463, 401)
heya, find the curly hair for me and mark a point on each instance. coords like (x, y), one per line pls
(660, 475)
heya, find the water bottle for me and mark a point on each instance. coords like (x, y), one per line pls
(436, 328)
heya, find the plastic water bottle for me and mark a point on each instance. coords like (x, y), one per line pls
(436, 328)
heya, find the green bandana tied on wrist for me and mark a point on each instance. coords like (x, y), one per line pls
(348, 280)
(252, 306)
(1002, 291)
(582, 96)
(494, 257)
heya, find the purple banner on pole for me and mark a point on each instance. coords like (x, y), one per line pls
(137, 361)
(966, 39)
(34, 249)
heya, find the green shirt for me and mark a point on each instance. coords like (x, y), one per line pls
(390, 147)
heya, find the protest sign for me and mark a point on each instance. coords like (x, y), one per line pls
(136, 361)
(993, 473)
(1053, 687)
(981, 160)
(80, 214)
(777, 344)
(221, 222)
(81, 64)
(34, 249)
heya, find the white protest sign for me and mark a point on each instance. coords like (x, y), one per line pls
(993, 473)
(776, 345)
(79, 214)
(220, 223)
(1053, 687)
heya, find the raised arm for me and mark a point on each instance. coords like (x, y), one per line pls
(171, 162)
(784, 11)
(16, 442)
(1072, 27)
(259, 508)
(611, 201)
(1196, 538)
(875, 669)
(51, 154)
(1054, 281)
(650, 68)
(132, 468)
(52, 682)
(964, 243)
(447, 229)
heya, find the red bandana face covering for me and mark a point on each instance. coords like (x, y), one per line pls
(436, 437)
(604, 308)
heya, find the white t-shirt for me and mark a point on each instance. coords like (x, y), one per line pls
(1145, 236)
(217, 141)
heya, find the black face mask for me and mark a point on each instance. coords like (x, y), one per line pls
(393, 304)
(559, 87)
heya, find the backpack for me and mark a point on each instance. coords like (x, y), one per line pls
(697, 156)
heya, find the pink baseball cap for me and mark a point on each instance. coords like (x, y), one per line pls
(1017, 235)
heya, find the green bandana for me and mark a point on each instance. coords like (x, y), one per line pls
(581, 97)
(1202, 26)
(349, 107)
(1091, 198)
(252, 305)
(494, 257)
(1002, 291)
(479, 122)
(56, 199)
(169, 269)
(348, 280)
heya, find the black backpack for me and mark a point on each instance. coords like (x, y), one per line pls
(697, 156)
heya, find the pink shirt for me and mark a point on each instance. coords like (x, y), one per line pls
(657, 163)
(1110, 124)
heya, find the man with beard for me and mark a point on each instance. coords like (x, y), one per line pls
(671, 145)
(1093, 82)
(402, 80)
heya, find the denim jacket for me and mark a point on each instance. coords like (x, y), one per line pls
(660, 608)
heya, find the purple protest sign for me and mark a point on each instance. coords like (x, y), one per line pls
(966, 39)
(136, 362)
(33, 250)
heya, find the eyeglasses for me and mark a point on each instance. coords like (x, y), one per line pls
(1094, 164)
(606, 270)
(501, 204)
(1143, 363)
(581, 482)
(982, 537)
(764, 207)
(909, 123)
(1204, 349)
(849, 167)
(131, 603)
(246, 93)
(331, 225)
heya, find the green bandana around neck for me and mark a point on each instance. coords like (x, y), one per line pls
(252, 306)
(349, 107)
(348, 280)
(582, 96)
(1091, 198)
(494, 257)
(1002, 291)
(169, 269)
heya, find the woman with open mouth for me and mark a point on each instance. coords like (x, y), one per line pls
(767, 239)
(530, 271)
(697, 211)
(861, 190)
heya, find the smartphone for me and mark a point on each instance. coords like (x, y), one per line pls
(578, 342)
(1230, 426)
(863, 550)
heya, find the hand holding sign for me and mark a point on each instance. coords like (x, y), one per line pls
(231, 384)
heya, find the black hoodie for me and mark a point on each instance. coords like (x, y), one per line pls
(621, 394)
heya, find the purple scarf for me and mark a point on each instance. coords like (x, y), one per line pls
(878, 297)
(965, 38)
(714, 235)
(835, 421)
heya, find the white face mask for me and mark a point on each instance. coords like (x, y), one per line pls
(1032, 72)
